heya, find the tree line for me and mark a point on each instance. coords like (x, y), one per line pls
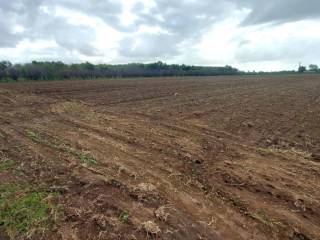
(37, 71)
(313, 68)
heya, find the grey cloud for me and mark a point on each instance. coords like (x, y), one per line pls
(181, 23)
(12, 14)
(68, 36)
(183, 18)
(188, 21)
(107, 10)
(8, 39)
(46, 26)
(184, 21)
(280, 11)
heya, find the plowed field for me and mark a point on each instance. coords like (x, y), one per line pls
(163, 158)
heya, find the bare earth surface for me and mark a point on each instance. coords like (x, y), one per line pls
(168, 158)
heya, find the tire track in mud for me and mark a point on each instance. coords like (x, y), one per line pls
(116, 145)
(184, 199)
(135, 160)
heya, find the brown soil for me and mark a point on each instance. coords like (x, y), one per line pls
(170, 158)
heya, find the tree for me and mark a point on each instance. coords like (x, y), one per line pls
(13, 73)
(302, 69)
(313, 67)
(5, 64)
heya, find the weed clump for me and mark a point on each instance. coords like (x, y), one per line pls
(84, 157)
(145, 192)
(24, 212)
(87, 158)
(124, 217)
(5, 165)
(162, 213)
(33, 135)
(151, 228)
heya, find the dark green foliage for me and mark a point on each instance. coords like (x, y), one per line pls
(58, 70)
(314, 68)
(5, 65)
(302, 69)
(5, 164)
(124, 217)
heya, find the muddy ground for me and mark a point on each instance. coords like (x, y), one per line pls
(165, 158)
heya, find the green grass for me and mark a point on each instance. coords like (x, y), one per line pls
(36, 137)
(124, 217)
(87, 158)
(33, 136)
(5, 165)
(25, 212)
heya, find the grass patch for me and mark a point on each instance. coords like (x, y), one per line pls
(87, 158)
(124, 217)
(33, 136)
(24, 213)
(84, 157)
(2, 136)
(37, 138)
(5, 165)
(263, 218)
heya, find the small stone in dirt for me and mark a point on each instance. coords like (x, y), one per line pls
(197, 161)
(151, 228)
(250, 124)
(116, 183)
(299, 204)
(228, 163)
(197, 114)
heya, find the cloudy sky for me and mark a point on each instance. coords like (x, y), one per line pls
(248, 34)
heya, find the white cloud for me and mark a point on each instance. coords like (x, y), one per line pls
(285, 44)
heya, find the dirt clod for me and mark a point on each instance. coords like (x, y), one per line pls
(151, 228)
(162, 213)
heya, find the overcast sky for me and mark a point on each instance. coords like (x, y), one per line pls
(248, 34)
